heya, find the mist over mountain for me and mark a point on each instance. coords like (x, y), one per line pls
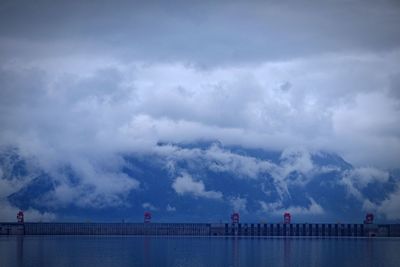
(204, 182)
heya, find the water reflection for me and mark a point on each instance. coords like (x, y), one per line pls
(287, 253)
(369, 253)
(79, 251)
(20, 251)
(146, 251)
(235, 252)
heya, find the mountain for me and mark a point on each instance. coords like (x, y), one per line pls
(198, 182)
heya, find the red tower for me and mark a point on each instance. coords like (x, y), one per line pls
(287, 218)
(147, 217)
(235, 218)
(20, 216)
(369, 218)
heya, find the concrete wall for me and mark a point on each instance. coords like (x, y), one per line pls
(12, 229)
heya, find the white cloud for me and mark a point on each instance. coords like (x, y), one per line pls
(12, 180)
(224, 161)
(218, 159)
(296, 160)
(238, 204)
(358, 178)
(277, 208)
(96, 187)
(149, 206)
(363, 176)
(296, 168)
(370, 125)
(185, 185)
(170, 208)
(112, 109)
(390, 207)
(8, 213)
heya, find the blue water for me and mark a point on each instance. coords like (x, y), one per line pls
(87, 251)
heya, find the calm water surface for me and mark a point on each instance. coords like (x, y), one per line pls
(84, 251)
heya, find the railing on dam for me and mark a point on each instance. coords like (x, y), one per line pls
(202, 229)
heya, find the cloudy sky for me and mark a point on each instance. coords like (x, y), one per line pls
(87, 80)
(261, 74)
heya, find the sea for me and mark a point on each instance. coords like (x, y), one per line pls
(110, 251)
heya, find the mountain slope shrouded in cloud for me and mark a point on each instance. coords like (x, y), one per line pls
(203, 182)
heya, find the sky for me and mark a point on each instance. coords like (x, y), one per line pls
(83, 81)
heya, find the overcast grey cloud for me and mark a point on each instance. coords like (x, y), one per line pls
(347, 108)
(199, 32)
(81, 83)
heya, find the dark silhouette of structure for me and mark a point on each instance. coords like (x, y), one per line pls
(369, 218)
(287, 218)
(235, 217)
(20, 216)
(147, 217)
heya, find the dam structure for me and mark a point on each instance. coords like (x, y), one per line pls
(235, 228)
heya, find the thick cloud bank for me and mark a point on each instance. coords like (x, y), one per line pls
(340, 103)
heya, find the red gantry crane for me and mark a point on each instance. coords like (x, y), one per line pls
(20, 216)
(287, 218)
(147, 217)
